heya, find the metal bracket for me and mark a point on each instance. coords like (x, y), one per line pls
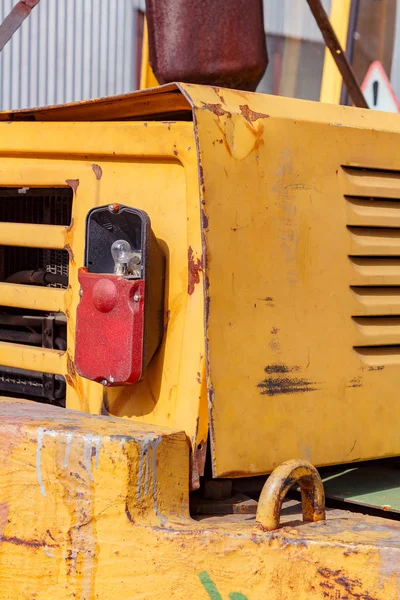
(277, 486)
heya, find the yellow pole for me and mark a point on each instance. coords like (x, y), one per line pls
(331, 84)
(147, 77)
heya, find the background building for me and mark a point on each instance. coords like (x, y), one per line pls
(69, 50)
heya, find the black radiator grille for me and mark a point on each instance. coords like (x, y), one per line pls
(36, 206)
(43, 206)
(40, 206)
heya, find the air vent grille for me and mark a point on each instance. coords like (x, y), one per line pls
(372, 200)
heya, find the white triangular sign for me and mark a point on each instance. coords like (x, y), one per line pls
(377, 90)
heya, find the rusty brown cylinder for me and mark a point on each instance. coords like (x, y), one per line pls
(213, 42)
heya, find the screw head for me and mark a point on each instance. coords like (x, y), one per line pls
(136, 297)
(81, 292)
(104, 382)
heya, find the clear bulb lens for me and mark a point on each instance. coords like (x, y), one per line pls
(121, 251)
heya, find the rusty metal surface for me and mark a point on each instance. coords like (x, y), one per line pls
(80, 494)
(277, 486)
(15, 19)
(214, 43)
(338, 54)
(162, 103)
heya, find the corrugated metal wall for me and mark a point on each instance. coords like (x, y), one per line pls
(69, 50)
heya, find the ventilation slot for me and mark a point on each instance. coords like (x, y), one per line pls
(372, 202)
(34, 266)
(41, 387)
(34, 216)
(43, 206)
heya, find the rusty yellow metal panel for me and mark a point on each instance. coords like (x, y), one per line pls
(280, 221)
(94, 507)
(151, 166)
(302, 260)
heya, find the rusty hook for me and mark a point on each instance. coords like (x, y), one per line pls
(279, 483)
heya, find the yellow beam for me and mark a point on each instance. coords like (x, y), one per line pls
(147, 77)
(34, 297)
(331, 84)
(33, 359)
(32, 236)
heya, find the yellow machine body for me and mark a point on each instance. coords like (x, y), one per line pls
(97, 508)
(280, 223)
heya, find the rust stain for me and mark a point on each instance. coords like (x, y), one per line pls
(279, 380)
(98, 171)
(356, 382)
(167, 318)
(216, 109)
(251, 115)
(198, 377)
(336, 579)
(74, 183)
(4, 510)
(176, 152)
(208, 302)
(201, 177)
(268, 300)
(194, 269)
(70, 381)
(68, 248)
(204, 219)
(198, 462)
(71, 367)
(28, 543)
(70, 226)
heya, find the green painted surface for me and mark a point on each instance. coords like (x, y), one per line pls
(373, 485)
(212, 591)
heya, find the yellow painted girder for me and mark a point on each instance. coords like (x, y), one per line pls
(32, 358)
(33, 236)
(331, 84)
(38, 298)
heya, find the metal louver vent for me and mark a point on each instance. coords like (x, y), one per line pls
(373, 221)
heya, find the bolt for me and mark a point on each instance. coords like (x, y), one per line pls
(48, 332)
(136, 297)
(104, 382)
(81, 292)
(48, 385)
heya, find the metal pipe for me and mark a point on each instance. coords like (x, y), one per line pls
(37, 278)
(21, 337)
(14, 20)
(60, 343)
(337, 52)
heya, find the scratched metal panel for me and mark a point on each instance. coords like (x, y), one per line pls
(69, 50)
